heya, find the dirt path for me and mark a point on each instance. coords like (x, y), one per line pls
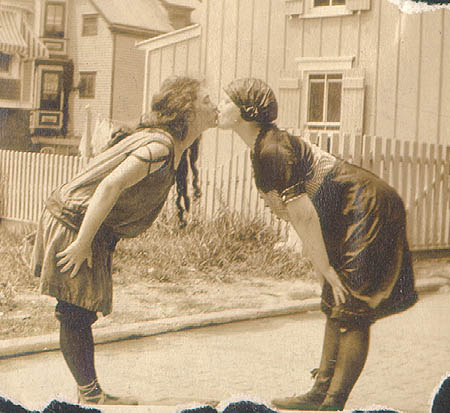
(32, 314)
(260, 359)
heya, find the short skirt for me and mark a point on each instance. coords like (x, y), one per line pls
(363, 222)
(91, 288)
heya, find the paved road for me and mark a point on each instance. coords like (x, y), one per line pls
(262, 359)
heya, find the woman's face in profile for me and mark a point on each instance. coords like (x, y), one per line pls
(206, 111)
(229, 114)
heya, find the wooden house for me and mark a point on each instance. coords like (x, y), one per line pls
(358, 77)
(338, 67)
(20, 47)
(82, 54)
(351, 66)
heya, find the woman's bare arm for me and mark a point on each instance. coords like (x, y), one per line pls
(127, 174)
(304, 218)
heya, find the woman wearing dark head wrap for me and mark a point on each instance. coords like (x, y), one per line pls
(353, 229)
(118, 195)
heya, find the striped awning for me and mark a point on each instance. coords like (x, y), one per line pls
(11, 40)
(17, 37)
(35, 48)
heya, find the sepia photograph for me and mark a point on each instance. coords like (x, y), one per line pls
(224, 206)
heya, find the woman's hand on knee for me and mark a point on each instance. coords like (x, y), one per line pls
(339, 290)
(339, 293)
(74, 256)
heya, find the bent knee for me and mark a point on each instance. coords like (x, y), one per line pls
(74, 317)
(354, 324)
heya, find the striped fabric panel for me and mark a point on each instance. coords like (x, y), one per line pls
(35, 48)
(11, 40)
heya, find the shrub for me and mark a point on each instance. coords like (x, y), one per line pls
(16, 273)
(226, 246)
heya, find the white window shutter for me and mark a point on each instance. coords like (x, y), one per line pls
(294, 7)
(352, 106)
(289, 100)
(357, 5)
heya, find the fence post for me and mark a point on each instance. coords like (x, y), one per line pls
(445, 198)
(86, 140)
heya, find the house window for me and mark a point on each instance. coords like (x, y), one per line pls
(5, 62)
(51, 90)
(324, 101)
(313, 9)
(321, 3)
(87, 85)
(89, 25)
(54, 19)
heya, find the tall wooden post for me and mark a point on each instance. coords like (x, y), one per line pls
(86, 140)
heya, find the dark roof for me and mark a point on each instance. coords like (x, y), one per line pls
(138, 15)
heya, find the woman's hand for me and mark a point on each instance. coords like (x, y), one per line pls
(128, 173)
(73, 256)
(339, 291)
(306, 222)
(276, 205)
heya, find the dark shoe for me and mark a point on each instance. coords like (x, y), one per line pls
(334, 402)
(312, 399)
(308, 401)
(107, 399)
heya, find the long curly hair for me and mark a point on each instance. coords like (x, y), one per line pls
(171, 109)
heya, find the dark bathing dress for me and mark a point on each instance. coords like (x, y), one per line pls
(363, 224)
(135, 210)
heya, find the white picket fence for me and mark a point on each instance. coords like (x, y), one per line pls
(28, 178)
(419, 172)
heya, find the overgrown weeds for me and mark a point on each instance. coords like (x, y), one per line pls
(222, 248)
(15, 273)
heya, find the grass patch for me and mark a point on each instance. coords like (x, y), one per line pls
(15, 275)
(221, 249)
(228, 262)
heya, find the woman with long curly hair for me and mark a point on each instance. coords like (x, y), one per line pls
(353, 229)
(118, 195)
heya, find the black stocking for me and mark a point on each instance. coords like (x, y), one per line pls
(330, 347)
(352, 355)
(77, 346)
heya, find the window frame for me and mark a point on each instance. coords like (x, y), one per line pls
(8, 65)
(85, 18)
(82, 94)
(58, 93)
(324, 124)
(306, 9)
(315, 65)
(55, 34)
(329, 5)
(326, 11)
(14, 68)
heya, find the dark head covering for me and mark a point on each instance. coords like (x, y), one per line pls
(254, 98)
